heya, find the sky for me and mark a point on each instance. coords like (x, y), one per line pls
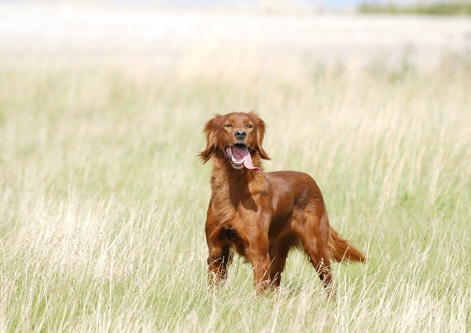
(325, 4)
(332, 4)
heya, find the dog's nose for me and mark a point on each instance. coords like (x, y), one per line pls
(240, 134)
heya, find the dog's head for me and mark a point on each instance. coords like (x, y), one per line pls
(238, 136)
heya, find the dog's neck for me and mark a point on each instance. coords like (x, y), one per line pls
(229, 182)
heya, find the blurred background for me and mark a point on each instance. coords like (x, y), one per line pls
(184, 34)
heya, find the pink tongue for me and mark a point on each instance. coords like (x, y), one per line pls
(241, 152)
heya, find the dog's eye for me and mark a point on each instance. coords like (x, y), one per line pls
(249, 126)
(228, 125)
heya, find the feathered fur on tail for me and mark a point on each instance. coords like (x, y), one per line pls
(341, 250)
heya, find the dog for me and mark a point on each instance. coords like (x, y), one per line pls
(263, 215)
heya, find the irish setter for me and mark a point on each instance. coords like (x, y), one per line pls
(262, 215)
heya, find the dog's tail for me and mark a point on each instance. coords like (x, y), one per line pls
(341, 250)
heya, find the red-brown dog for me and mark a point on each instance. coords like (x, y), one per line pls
(263, 215)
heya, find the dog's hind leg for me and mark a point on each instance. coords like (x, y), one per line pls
(314, 237)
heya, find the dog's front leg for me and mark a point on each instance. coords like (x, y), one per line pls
(219, 251)
(257, 252)
(258, 255)
(261, 267)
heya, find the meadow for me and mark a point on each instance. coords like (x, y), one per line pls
(104, 199)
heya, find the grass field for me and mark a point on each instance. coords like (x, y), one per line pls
(104, 199)
(422, 8)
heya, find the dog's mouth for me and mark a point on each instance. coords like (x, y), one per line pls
(239, 156)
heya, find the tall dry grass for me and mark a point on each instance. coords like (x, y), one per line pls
(104, 198)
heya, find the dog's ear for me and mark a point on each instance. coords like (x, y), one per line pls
(260, 128)
(210, 130)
